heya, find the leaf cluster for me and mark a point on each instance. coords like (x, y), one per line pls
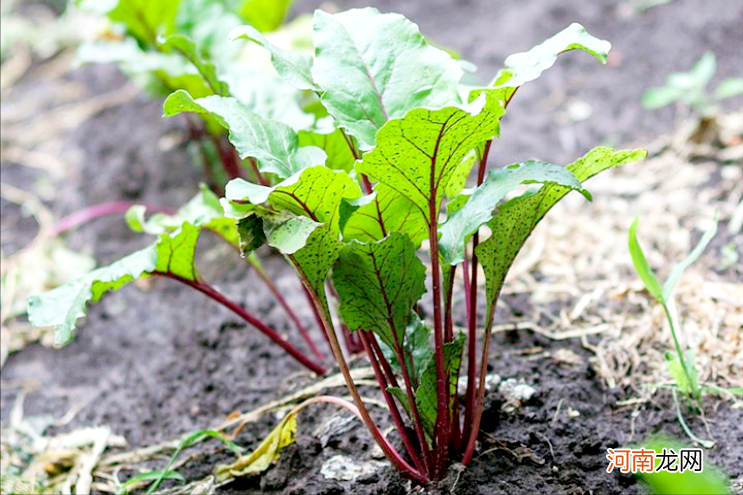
(364, 196)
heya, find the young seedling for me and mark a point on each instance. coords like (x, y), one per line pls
(681, 364)
(350, 199)
(690, 88)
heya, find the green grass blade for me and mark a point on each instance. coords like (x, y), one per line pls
(641, 263)
(678, 270)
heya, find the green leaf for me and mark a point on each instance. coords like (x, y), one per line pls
(679, 269)
(704, 70)
(711, 481)
(203, 210)
(378, 284)
(187, 48)
(386, 210)
(641, 264)
(728, 88)
(273, 144)
(673, 361)
(660, 97)
(158, 73)
(425, 396)
(519, 216)
(293, 66)
(315, 258)
(63, 306)
(315, 192)
(375, 67)
(417, 349)
(334, 145)
(146, 19)
(148, 476)
(521, 68)
(418, 154)
(288, 233)
(186, 443)
(265, 15)
(478, 209)
(252, 236)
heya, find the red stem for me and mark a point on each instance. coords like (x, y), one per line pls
(383, 361)
(96, 211)
(391, 404)
(389, 451)
(442, 426)
(258, 175)
(292, 315)
(315, 310)
(209, 291)
(469, 400)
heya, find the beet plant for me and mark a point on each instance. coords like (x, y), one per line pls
(369, 206)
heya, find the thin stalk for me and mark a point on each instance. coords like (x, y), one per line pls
(410, 392)
(469, 398)
(97, 211)
(455, 439)
(389, 451)
(682, 357)
(315, 310)
(357, 156)
(391, 404)
(230, 161)
(258, 175)
(480, 399)
(209, 291)
(383, 361)
(282, 301)
(353, 344)
(442, 426)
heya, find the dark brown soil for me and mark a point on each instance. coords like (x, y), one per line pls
(159, 363)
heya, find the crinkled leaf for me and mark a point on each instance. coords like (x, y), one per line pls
(416, 348)
(315, 192)
(187, 48)
(158, 73)
(294, 66)
(459, 177)
(269, 96)
(694, 255)
(288, 233)
(521, 68)
(478, 209)
(265, 15)
(267, 453)
(641, 264)
(517, 218)
(378, 284)
(273, 144)
(418, 154)
(386, 211)
(425, 396)
(203, 210)
(334, 145)
(146, 19)
(63, 306)
(374, 67)
(252, 236)
(315, 259)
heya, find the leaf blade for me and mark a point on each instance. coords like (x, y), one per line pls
(360, 53)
